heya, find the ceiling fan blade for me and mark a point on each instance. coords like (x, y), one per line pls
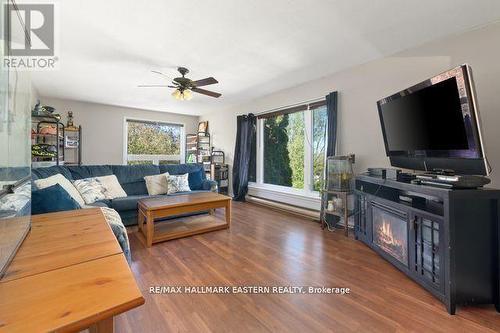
(160, 73)
(205, 82)
(206, 92)
(152, 85)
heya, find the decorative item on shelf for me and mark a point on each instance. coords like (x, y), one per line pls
(339, 172)
(70, 143)
(203, 127)
(338, 204)
(48, 109)
(44, 150)
(330, 206)
(70, 126)
(218, 156)
(48, 130)
(37, 109)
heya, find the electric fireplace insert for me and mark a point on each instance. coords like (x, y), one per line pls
(390, 231)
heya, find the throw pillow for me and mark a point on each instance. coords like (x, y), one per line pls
(52, 199)
(196, 180)
(65, 184)
(157, 184)
(112, 186)
(178, 183)
(91, 189)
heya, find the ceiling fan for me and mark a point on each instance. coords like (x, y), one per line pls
(184, 86)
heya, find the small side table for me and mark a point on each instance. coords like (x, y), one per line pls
(343, 212)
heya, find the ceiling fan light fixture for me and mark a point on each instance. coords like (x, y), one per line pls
(187, 94)
(182, 95)
(185, 87)
(176, 94)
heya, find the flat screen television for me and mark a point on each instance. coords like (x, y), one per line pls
(435, 125)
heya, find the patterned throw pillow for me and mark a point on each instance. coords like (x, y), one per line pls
(178, 183)
(91, 189)
(157, 184)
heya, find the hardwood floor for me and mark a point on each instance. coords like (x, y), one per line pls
(265, 247)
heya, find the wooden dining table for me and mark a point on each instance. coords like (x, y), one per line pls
(69, 274)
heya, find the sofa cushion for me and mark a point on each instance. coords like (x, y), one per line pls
(130, 202)
(51, 171)
(180, 169)
(64, 182)
(196, 180)
(52, 199)
(88, 171)
(131, 177)
(101, 203)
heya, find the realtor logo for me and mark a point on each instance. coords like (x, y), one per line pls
(30, 36)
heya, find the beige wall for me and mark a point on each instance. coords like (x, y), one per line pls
(102, 126)
(360, 87)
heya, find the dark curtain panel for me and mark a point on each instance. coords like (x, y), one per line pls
(245, 145)
(331, 111)
(331, 133)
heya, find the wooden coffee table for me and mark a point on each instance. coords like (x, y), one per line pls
(154, 209)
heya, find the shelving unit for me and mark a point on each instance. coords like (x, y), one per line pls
(56, 140)
(198, 150)
(191, 148)
(73, 146)
(220, 171)
(341, 212)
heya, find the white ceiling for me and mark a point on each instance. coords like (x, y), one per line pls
(253, 47)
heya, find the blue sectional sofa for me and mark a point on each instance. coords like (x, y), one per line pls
(131, 178)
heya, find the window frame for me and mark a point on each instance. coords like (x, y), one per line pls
(154, 158)
(308, 155)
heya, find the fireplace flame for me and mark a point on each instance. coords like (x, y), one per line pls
(391, 237)
(387, 236)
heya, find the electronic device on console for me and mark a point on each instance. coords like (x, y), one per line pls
(453, 181)
(384, 173)
(434, 126)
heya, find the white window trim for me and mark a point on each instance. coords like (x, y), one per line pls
(155, 158)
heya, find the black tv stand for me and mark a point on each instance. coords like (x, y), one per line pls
(444, 239)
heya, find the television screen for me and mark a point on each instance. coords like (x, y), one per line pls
(429, 119)
(434, 124)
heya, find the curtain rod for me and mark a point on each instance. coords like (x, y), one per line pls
(290, 106)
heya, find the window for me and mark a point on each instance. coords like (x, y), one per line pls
(151, 142)
(291, 147)
(284, 150)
